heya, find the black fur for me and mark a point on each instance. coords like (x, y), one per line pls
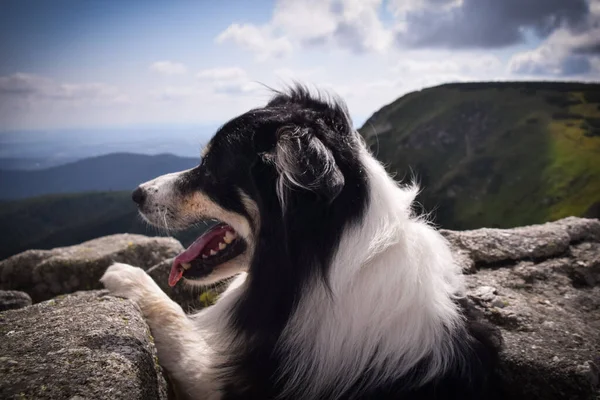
(297, 242)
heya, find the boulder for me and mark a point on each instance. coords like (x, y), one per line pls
(13, 299)
(44, 274)
(87, 345)
(540, 285)
(488, 246)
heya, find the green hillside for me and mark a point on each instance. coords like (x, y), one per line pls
(61, 220)
(495, 154)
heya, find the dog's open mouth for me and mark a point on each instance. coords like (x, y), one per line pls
(214, 247)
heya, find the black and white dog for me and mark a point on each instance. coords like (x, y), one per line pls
(341, 291)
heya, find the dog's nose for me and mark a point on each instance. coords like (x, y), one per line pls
(138, 196)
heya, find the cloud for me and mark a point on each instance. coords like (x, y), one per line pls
(549, 59)
(449, 63)
(349, 24)
(168, 68)
(35, 87)
(221, 74)
(22, 84)
(482, 23)
(356, 25)
(259, 40)
(173, 93)
(228, 80)
(566, 52)
(295, 74)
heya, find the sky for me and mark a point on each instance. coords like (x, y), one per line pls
(75, 64)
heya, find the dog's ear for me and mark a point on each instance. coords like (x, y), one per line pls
(305, 163)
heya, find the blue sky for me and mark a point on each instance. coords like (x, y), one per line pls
(69, 64)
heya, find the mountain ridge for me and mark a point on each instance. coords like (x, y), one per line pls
(496, 154)
(110, 172)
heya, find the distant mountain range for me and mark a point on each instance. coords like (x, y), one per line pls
(33, 163)
(61, 220)
(56, 146)
(112, 172)
(499, 154)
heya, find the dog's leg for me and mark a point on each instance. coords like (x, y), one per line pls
(181, 348)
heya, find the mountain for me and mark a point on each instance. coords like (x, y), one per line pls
(62, 220)
(53, 144)
(497, 154)
(32, 163)
(118, 171)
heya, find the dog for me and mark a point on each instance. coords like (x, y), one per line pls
(339, 290)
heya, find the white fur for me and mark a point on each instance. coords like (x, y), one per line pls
(392, 281)
(161, 202)
(391, 287)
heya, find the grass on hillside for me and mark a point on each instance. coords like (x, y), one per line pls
(499, 154)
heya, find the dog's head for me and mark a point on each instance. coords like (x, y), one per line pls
(264, 176)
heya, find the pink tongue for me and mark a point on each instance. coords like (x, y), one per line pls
(175, 275)
(193, 251)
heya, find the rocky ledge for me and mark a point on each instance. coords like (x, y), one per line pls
(44, 274)
(86, 345)
(540, 285)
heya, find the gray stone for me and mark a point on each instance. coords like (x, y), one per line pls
(540, 285)
(44, 274)
(82, 346)
(13, 299)
(545, 299)
(530, 242)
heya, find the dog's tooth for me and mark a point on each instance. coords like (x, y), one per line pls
(186, 265)
(222, 246)
(204, 256)
(229, 236)
(213, 253)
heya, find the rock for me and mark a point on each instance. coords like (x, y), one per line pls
(44, 274)
(87, 345)
(13, 299)
(540, 286)
(188, 297)
(534, 242)
(485, 294)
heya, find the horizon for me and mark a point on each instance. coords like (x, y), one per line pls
(72, 65)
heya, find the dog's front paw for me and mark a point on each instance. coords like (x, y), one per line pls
(127, 281)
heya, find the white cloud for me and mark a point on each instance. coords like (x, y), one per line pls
(349, 24)
(564, 53)
(173, 93)
(23, 84)
(168, 68)
(294, 74)
(35, 87)
(222, 74)
(451, 63)
(231, 80)
(259, 40)
(402, 7)
(358, 26)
